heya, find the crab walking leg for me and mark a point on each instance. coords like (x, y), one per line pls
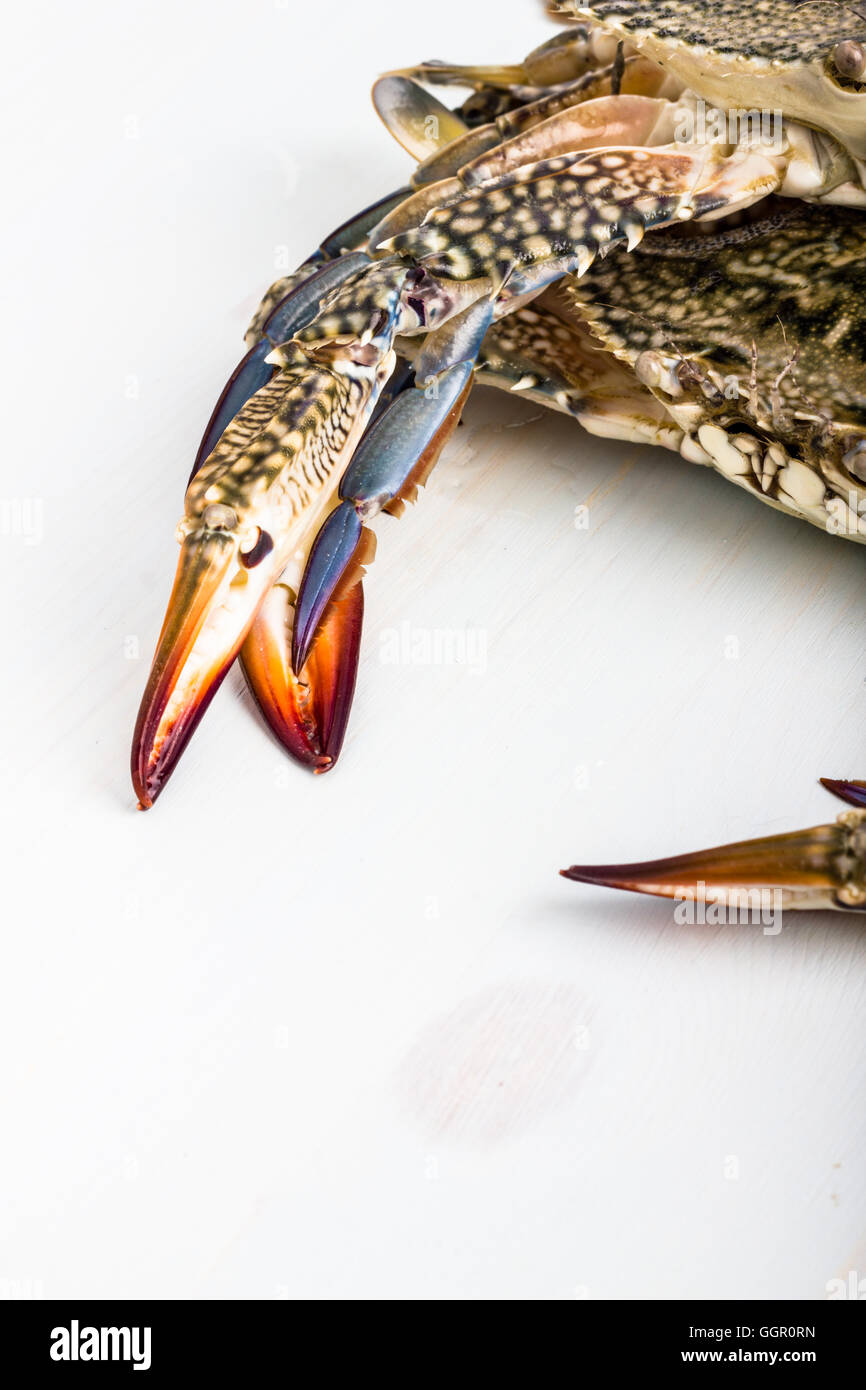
(823, 867)
(560, 59)
(395, 457)
(534, 353)
(640, 78)
(605, 122)
(417, 120)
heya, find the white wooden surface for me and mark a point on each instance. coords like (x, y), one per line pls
(354, 1037)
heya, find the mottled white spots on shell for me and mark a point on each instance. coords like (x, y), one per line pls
(460, 262)
(837, 332)
(432, 238)
(484, 246)
(537, 246)
(464, 226)
(612, 161)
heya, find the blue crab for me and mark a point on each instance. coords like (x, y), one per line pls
(653, 223)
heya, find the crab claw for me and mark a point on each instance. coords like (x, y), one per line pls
(212, 605)
(852, 792)
(822, 867)
(307, 716)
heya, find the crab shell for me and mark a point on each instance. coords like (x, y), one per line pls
(776, 55)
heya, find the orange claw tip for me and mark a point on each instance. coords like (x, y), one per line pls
(308, 715)
(854, 792)
(207, 619)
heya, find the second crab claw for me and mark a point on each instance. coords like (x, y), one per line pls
(852, 792)
(822, 867)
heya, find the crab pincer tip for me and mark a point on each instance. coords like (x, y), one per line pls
(852, 792)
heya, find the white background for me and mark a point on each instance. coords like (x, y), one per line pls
(353, 1036)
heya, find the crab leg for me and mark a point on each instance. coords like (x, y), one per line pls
(640, 78)
(250, 511)
(604, 122)
(417, 120)
(559, 59)
(823, 867)
(349, 236)
(254, 507)
(300, 304)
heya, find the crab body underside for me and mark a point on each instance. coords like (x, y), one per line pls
(655, 223)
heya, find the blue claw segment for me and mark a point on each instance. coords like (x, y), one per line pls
(395, 456)
(303, 302)
(333, 550)
(852, 792)
(401, 377)
(253, 372)
(458, 340)
(390, 450)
